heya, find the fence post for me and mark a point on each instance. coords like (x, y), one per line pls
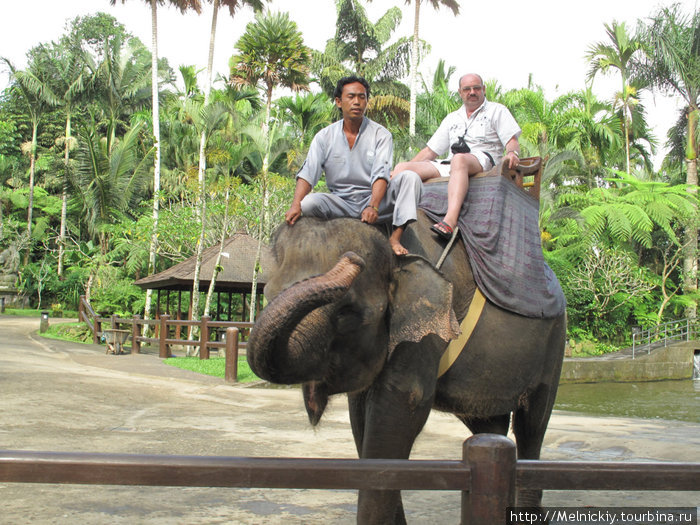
(97, 331)
(491, 461)
(204, 337)
(231, 367)
(163, 348)
(135, 334)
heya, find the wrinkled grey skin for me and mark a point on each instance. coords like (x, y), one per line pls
(375, 326)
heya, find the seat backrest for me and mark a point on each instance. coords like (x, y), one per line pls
(528, 175)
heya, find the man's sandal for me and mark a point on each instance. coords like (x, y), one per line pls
(443, 229)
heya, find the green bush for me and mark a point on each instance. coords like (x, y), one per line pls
(115, 294)
(76, 332)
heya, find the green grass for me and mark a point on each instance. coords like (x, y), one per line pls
(213, 367)
(80, 333)
(31, 312)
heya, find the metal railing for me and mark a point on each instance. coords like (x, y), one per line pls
(662, 334)
(488, 474)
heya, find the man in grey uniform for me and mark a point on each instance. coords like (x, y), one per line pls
(356, 155)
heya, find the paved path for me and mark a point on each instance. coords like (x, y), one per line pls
(59, 396)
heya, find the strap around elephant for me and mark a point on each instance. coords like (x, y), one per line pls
(467, 327)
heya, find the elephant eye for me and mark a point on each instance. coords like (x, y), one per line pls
(348, 320)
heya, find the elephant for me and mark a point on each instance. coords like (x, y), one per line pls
(345, 315)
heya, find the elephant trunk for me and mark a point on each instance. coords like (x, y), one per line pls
(285, 343)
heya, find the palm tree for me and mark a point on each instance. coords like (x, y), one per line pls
(183, 6)
(454, 6)
(69, 77)
(271, 54)
(233, 6)
(672, 63)
(37, 97)
(122, 84)
(436, 100)
(619, 54)
(592, 130)
(361, 47)
(307, 114)
(109, 182)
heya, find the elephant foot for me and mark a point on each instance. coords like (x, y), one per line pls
(529, 505)
(380, 507)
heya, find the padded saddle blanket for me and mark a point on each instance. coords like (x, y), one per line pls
(499, 227)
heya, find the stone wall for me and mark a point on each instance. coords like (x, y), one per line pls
(672, 362)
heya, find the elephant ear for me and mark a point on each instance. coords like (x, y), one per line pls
(421, 303)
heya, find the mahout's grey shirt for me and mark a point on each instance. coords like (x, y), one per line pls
(350, 173)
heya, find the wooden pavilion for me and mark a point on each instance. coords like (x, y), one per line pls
(237, 261)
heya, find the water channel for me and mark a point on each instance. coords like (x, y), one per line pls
(675, 400)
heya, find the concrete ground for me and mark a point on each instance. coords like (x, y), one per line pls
(59, 396)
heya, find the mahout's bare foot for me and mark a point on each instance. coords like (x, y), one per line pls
(397, 247)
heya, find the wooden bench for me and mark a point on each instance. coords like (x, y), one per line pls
(528, 175)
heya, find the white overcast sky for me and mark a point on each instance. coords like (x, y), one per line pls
(505, 40)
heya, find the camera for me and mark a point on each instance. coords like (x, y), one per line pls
(460, 146)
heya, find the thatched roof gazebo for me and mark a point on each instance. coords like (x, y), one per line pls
(238, 260)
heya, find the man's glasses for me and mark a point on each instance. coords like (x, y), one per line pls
(467, 89)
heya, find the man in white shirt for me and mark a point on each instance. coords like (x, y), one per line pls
(356, 155)
(475, 137)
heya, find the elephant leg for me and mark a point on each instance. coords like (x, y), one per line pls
(356, 408)
(396, 407)
(529, 426)
(486, 425)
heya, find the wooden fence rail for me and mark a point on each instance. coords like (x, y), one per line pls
(487, 475)
(231, 336)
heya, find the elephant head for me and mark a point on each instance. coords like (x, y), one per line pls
(339, 303)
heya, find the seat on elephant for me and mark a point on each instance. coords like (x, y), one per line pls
(528, 175)
(500, 231)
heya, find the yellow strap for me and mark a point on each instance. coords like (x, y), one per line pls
(467, 326)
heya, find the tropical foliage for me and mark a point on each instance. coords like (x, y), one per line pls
(113, 165)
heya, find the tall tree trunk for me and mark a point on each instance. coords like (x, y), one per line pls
(202, 169)
(414, 70)
(690, 260)
(32, 171)
(263, 212)
(153, 248)
(64, 201)
(625, 120)
(258, 256)
(217, 264)
(626, 129)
